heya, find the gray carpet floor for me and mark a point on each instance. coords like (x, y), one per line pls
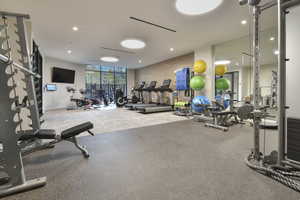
(106, 120)
(174, 161)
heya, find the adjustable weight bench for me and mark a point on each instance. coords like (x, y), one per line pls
(32, 141)
(221, 119)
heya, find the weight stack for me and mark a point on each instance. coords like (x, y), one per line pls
(293, 139)
(37, 67)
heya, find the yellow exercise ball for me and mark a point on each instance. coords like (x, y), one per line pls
(221, 70)
(200, 66)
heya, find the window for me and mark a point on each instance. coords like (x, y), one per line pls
(104, 80)
(92, 80)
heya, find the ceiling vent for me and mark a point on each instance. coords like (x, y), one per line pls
(118, 50)
(152, 24)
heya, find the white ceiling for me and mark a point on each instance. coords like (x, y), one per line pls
(104, 23)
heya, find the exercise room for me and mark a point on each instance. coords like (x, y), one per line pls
(149, 100)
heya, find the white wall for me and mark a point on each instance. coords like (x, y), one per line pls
(60, 98)
(292, 67)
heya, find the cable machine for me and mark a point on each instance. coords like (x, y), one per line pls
(277, 165)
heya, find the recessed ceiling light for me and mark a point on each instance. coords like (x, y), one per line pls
(75, 28)
(171, 49)
(196, 7)
(140, 61)
(109, 59)
(272, 38)
(276, 52)
(133, 44)
(244, 22)
(222, 62)
(69, 51)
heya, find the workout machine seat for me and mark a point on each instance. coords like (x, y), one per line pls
(46, 134)
(27, 136)
(76, 130)
(50, 134)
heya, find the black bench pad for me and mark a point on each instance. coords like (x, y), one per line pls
(76, 130)
(41, 134)
(224, 113)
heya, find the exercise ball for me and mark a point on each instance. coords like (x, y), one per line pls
(223, 100)
(221, 70)
(199, 102)
(200, 66)
(197, 83)
(222, 84)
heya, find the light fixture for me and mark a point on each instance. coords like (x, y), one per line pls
(244, 22)
(133, 44)
(140, 61)
(196, 7)
(272, 38)
(69, 51)
(276, 52)
(75, 28)
(171, 49)
(222, 62)
(109, 59)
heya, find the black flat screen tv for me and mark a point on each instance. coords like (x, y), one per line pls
(60, 75)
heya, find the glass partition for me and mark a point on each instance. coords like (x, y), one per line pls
(104, 80)
(238, 54)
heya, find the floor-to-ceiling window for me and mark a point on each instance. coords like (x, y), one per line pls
(102, 81)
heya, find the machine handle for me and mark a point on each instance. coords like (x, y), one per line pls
(91, 133)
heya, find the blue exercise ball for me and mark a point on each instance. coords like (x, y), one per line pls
(198, 102)
(225, 99)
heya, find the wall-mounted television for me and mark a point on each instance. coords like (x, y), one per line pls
(60, 75)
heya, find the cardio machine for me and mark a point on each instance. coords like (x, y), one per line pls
(121, 100)
(149, 90)
(159, 106)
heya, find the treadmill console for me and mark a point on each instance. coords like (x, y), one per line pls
(166, 84)
(152, 84)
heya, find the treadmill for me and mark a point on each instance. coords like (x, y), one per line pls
(148, 89)
(154, 108)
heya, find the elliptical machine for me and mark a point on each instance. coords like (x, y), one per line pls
(122, 100)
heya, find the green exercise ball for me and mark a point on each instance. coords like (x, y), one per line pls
(222, 84)
(197, 83)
